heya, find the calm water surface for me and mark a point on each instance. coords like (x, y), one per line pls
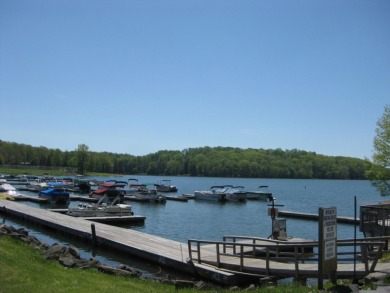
(211, 221)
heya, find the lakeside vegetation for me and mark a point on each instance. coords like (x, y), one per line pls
(204, 161)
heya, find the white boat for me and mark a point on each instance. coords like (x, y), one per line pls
(102, 209)
(141, 192)
(235, 193)
(221, 194)
(165, 186)
(8, 189)
(261, 194)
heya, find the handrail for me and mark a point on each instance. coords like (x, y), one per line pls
(371, 250)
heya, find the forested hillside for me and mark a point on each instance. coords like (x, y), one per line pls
(204, 161)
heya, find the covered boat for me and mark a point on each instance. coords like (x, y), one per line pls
(55, 194)
(109, 190)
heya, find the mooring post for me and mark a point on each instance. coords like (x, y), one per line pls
(93, 234)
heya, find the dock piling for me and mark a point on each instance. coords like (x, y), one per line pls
(94, 242)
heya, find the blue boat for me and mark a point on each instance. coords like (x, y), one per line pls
(55, 194)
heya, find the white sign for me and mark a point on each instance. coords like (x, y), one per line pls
(330, 249)
(330, 224)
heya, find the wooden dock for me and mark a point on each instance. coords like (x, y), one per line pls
(314, 217)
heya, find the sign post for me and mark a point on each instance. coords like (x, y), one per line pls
(327, 244)
(273, 212)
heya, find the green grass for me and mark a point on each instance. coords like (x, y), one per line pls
(23, 269)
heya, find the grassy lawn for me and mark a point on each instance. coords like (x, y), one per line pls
(23, 269)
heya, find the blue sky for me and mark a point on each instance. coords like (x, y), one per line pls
(136, 77)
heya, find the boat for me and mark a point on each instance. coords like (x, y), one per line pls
(261, 194)
(55, 194)
(214, 194)
(4, 195)
(235, 193)
(130, 187)
(165, 186)
(147, 195)
(102, 209)
(222, 193)
(8, 189)
(141, 192)
(107, 189)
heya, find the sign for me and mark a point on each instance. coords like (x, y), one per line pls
(273, 212)
(327, 243)
(329, 224)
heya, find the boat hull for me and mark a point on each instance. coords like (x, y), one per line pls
(210, 196)
(54, 195)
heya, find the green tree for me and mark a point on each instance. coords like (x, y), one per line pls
(379, 173)
(82, 155)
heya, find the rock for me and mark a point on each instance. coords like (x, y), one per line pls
(114, 271)
(68, 260)
(251, 287)
(55, 251)
(22, 231)
(74, 251)
(234, 288)
(200, 285)
(354, 288)
(130, 269)
(180, 284)
(25, 239)
(9, 229)
(374, 277)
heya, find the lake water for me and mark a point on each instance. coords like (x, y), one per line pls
(181, 221)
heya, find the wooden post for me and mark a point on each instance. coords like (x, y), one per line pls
(93, 235)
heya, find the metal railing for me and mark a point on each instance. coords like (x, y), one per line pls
(366, 250)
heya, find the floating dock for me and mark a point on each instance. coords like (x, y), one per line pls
(314, 217)
(110, 219)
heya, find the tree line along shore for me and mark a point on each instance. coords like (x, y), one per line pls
(203, 161)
